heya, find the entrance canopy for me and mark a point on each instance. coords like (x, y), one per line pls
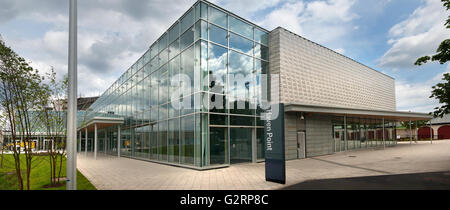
(375, 114)
(102, 122)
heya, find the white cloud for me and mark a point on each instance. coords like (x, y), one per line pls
(247, 8)
(340, 50)
(418, 35)
(415, 97)
(324, 22)
(111, 35)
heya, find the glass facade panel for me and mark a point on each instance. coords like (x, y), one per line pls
(174, 32)
(174, 140)
(162, 42)
(240, 27)
(187, 21)
(241, 44)
(187, 39)
(217, 64)
(262, 52)
(218, 35)
(174, 49)
(261, 37)
(219, 143)
(187, 65)
(218, 17)
(187, 136)
(164, 57)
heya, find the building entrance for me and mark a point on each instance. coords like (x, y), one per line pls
(241, 145)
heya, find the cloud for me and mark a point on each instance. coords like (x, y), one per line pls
(325, 22)
(247, 9)
(111, 35)
(418, 35)
(415, 97)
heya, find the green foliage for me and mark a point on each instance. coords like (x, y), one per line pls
(441, 92)
(422, 60)
(447, 5)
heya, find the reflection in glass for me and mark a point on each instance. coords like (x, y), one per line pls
(162, 43)
(187, 21)
(174, 49)
(262, 52)
(240, 145)
(174, 33)
(241, 44)
(261, 37)
(218, 35)
(217, 68)
(187, 39)
(187, 64)
(218, 145)
(187, 136)
(240, 27)
(218, 17)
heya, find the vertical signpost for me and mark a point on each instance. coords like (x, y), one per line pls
(274, 145)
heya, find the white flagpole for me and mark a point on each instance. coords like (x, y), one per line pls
(72, 101)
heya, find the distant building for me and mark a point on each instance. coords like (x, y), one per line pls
(439, 126)
(41, 137)
(85, 103)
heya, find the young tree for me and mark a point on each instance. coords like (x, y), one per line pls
(54, 119)
(22, 94)
(441, 91)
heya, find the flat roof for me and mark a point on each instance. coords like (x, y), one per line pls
(102, 122)
(340, 111)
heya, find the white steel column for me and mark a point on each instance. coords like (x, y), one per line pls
(410, 132)
(106, 140)
(384, 141)
(80, 142)
(95, 141)
(345, 133)
(416, 132)
(85, 141)
(71, 170)
(431, 132)
(118, 141)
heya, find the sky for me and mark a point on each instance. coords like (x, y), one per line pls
(387, 35)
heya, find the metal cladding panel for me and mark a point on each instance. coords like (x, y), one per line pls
(311, 74)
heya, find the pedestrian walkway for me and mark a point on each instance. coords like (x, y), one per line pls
(112, 173)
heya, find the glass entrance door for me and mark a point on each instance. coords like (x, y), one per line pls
(241, 145)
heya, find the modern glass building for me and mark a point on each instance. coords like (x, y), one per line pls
(224, 58)
(206, 43)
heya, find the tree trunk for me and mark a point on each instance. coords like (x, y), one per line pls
(60, 166)
(1, 163)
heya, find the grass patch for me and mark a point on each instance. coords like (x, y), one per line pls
(40, 175)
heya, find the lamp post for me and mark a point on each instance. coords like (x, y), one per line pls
(71, 183)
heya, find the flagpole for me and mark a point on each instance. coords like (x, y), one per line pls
(71, 183)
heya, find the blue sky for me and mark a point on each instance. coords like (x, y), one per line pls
(387, 35)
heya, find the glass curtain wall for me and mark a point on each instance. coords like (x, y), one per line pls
(217, 51)
(362, 133)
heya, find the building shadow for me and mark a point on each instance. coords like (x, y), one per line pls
(416, 181)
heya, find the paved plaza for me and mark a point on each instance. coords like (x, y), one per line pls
(112, 173)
